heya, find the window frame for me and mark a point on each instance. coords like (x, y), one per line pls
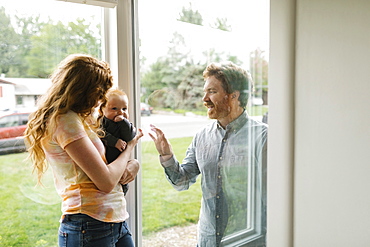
(120, 48)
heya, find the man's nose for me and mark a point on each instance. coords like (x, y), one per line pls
(205, 97)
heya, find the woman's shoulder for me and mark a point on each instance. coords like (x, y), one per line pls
(70, 119)
(69, 116)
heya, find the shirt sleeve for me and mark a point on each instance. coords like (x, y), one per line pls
(127, 131)
(69, 129)
(109, 139)
(182, 176)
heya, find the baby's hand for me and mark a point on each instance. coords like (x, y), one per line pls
(121, 145)
(118, 118)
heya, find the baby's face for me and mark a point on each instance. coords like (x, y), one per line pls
(117, 106)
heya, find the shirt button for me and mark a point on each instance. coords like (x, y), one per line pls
(83, 231)
(218, 197)
(220, 158)
(218, 234)
(217, 216)
(219, 176)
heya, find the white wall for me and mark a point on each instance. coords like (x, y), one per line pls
(7, 101)
(330, 172)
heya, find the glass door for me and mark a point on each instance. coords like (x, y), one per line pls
(178, 39)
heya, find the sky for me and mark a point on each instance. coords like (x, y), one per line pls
(249, 20)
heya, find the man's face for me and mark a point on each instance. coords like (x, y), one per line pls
(216, 99)
(117, 105)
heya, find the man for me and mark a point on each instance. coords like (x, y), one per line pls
(230, 153)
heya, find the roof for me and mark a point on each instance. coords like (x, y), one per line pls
(30, 86)
(5, 82)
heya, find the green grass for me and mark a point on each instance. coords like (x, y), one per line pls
(163, 206)
(29, 215)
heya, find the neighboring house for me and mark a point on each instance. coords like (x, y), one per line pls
(7, 95)
(21, 94)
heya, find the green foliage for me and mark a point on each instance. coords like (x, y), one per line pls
(191, 16)
(32, 48)
(8, 42)
(221, 23)
(56, 41)
(174, 81)
(26, 28)
(30, 215)
(259, 72)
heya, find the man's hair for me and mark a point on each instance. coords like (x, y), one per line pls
(233, 78)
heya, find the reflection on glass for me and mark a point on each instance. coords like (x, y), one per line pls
(35, 36)
(36, 39)
(176, 45)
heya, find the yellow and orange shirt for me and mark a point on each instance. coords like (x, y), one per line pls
(79, 194)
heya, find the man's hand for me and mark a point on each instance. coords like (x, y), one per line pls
(121, 145)
(131, 171)
(161, 143)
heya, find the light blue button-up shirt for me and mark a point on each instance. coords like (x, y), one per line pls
(239, 151)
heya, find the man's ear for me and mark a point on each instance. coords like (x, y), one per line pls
(235, 95)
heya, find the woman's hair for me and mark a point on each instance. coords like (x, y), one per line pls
(78, 84)
(233, 78)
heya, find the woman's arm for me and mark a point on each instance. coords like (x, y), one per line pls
(104, 176)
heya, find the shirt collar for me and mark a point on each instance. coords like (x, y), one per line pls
(237, 124)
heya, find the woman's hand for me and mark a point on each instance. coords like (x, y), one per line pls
(131, 171)
(131, 144)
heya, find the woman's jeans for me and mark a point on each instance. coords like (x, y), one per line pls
(80, 230)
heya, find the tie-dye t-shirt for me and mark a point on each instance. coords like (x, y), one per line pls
(79, 194)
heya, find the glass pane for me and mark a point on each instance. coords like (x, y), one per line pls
(35, 36)
(176, 45)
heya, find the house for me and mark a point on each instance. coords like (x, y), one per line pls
(7, 95)
(21, 94)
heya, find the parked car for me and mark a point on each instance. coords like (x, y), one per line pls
(146, 109)
(12, 128)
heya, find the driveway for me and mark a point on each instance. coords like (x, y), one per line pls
(174, 125)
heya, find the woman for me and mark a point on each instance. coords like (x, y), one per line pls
(63, 133)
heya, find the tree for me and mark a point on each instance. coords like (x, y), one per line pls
(32, 48)
(175, 81)
(56, 41)
(190, 16)
(152, 82)
(26, 28)
(259, 72)
(221, 23)
(9, 41)
(190, 89)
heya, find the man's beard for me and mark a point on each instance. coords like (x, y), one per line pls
(219, 110)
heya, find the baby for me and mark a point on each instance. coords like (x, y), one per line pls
(118, 130)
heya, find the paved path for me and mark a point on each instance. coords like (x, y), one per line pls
(173, 125)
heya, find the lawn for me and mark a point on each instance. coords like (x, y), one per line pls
(163, 206)
(30, 215)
